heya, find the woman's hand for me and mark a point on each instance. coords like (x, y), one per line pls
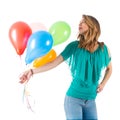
(100, 88)
(25, 76)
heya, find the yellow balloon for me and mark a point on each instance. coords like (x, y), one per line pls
(44, 59)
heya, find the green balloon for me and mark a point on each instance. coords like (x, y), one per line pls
(60, 32)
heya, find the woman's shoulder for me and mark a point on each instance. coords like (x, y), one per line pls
(72, 45)
(107, 49)
(75, 42)
(105, 46)
(102, 44)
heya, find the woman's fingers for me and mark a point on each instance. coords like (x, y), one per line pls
(23, 78)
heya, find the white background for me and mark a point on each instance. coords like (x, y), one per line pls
(48, 89)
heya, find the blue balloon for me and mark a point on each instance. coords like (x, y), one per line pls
(39, 44)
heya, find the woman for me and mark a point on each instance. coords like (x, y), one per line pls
(86, 57)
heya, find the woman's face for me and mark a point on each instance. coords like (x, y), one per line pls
(83, 27)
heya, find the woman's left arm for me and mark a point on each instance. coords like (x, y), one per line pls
(106, 77)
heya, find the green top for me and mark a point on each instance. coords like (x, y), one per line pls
(85, 69)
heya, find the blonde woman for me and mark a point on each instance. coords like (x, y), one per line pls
(86, 58)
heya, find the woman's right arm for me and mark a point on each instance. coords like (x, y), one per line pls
(49, 65)
(28, 73)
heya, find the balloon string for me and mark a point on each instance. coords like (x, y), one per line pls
(28, 104)
(22, 66)
(20, 57)
(26, 98)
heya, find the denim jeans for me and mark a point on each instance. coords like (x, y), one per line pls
(79, 109)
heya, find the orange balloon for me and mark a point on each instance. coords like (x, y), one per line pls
(45, 59)
(19, 33)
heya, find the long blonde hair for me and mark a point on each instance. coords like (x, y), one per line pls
(89, 39)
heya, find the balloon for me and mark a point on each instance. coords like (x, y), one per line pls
(60, 31)
(19, 33)
(50, 56)
(39, 44)
(37, 27)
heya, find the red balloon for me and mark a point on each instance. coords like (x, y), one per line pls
(19, 33)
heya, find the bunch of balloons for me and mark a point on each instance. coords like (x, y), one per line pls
(37, 41)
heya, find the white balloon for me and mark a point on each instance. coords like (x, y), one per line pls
(37, 26)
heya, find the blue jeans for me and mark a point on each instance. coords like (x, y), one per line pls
(79, 109)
